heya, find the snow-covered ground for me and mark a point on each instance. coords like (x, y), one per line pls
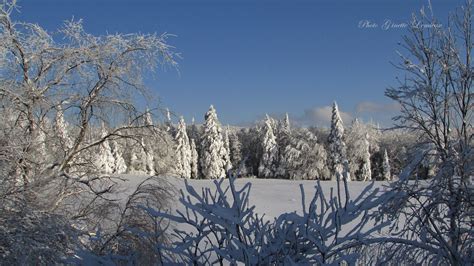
(271, 197)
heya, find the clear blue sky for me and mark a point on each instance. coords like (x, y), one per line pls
(249, 58)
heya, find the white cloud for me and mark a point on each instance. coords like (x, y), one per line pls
(321, 116)
(372, 107)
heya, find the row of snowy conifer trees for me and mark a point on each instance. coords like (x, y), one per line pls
(272, 149)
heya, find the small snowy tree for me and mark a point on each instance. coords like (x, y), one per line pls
(386, 172)
(168, 123)
(269, 160)
(337, 147)
(194, 160)
(212, 147)
(104, 158)
(183, 150)
(228, 162)
(148, 118)
(366, 172)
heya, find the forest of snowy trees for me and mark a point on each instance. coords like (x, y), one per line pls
(71, 132)
(272, 148)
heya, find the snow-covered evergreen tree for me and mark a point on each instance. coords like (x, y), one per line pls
(212, 147)
(236, 152)
(60, 127)
(183, 151)
(337, 147)
(148, 118)
(120, 167)
(136, 164)
(228, 162)
(386, 171)
(366, 172)
(149, 159)
(284, 142)
(141, 160)
(194, 160)
(168, 122)
(268, 162)
(305, 158)
(104, 159)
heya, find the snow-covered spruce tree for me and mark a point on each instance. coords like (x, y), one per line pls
(356, 139)
(251, 149)
(141, 159)
(194, 160)
(269, 160)
(386, 171)
(148, 119)
(149, 159)
(284, 143)
(236, 153)
(168, 122)
(119, 167)
(183, 151)
(366, 172)
(104, 159)
(337, 147)
(212, 147)
(228, 162)
(61, 129)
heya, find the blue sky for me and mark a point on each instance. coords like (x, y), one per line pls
(249, 58)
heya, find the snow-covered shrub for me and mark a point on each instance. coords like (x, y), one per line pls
(220, 226)
(134, 235)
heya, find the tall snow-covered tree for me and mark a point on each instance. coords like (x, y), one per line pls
(356, 139)
(104, 159)
(269, 160)
(366, 172)
(236, 152)
(60, 127)
(386, 171)
(284, 142)
(212, 147)
(337, 147)
(228, 162)
(169, 122)
(119, 167)
(183, 150)
(194, 160)
(149, 160)
(148, 118)
(141, 160)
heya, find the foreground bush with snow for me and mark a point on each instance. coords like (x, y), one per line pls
(222, 226)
